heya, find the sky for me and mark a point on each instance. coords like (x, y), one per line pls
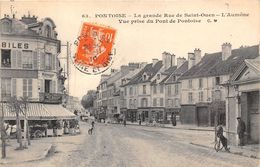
(143, 42)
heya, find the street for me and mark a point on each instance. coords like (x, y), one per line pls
(114, 145)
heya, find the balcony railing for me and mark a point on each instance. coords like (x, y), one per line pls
(50, 98)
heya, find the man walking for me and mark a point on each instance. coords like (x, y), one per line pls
(241, 128)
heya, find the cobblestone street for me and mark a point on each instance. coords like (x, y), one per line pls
(134, 146)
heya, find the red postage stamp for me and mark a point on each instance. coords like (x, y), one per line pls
(94, 48)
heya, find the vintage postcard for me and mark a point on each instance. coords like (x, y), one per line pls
(126, 83)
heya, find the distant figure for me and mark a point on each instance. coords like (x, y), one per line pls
(174, 122)
(221, 136)
(90, 131)
(241, 128)
(124, 122)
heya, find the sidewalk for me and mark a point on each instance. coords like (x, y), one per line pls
(36, 151)
(251, 151)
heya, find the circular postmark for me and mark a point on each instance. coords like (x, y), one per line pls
(95, 52)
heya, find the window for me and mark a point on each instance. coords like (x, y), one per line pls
(125, 91)
(217, 79)
(47, 86)
(27, 88)
(190, 97)
(200, 96)
(190, 84)
(169, 102)
(135, 105)
(131, 91)
(48, 31)
(130, 103)
(176, 102)
(161, 101)
(48, 61)
(144, 102)
(154, 89)
(169, 90)
(144, 77)
(6, 57)
(155, 102)
(176, 89)
(200, 83)
(158, 76)
(27, 59)
(144, 89)
(161, 88)
(6, 27)
(5, 87)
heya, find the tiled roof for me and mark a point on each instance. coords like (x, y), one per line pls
(179, 71)
(212, 64)
(149, 69)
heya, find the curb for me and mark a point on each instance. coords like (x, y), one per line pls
(231, 152)
(44, 155)
(209, 130)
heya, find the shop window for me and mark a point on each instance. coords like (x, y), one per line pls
(6, 57)
(27, 59)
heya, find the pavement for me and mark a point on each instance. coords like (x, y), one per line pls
(201, 137)
(36, 151)
(251, 151)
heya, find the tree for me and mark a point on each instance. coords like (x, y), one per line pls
(87, 100)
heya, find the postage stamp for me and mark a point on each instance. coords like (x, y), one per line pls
(95, 52)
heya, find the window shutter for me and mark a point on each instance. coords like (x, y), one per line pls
(35, 60)
(53, 86)
(42, 60)
(13, 59)
(13, 87)
(41, 85)
(57, 64)
(53, 62)
(19, 59)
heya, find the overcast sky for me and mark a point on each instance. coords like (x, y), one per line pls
(142, 42)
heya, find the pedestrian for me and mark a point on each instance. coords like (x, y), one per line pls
(124, 122)
(241, 128)
(221, 136)
(174, 122)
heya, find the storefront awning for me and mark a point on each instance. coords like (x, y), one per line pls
(39, 111)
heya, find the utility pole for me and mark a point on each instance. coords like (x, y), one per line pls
(67, 57)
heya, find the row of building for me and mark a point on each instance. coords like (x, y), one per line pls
(203, 90)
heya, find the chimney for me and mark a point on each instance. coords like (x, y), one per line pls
(168, 60)
(180, 61)
(226, 50)
(191, 60)
(155, 61)
(197, 54)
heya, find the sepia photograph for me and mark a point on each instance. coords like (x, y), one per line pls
(126, 83)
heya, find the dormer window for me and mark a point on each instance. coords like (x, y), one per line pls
(158, 76)
(6, 27)
(48, 31)
(144, 77)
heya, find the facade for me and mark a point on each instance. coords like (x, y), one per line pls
(243, 101)
(203, 96)
(29, 66)
(173, 89)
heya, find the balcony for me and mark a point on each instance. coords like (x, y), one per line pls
(50, 98)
